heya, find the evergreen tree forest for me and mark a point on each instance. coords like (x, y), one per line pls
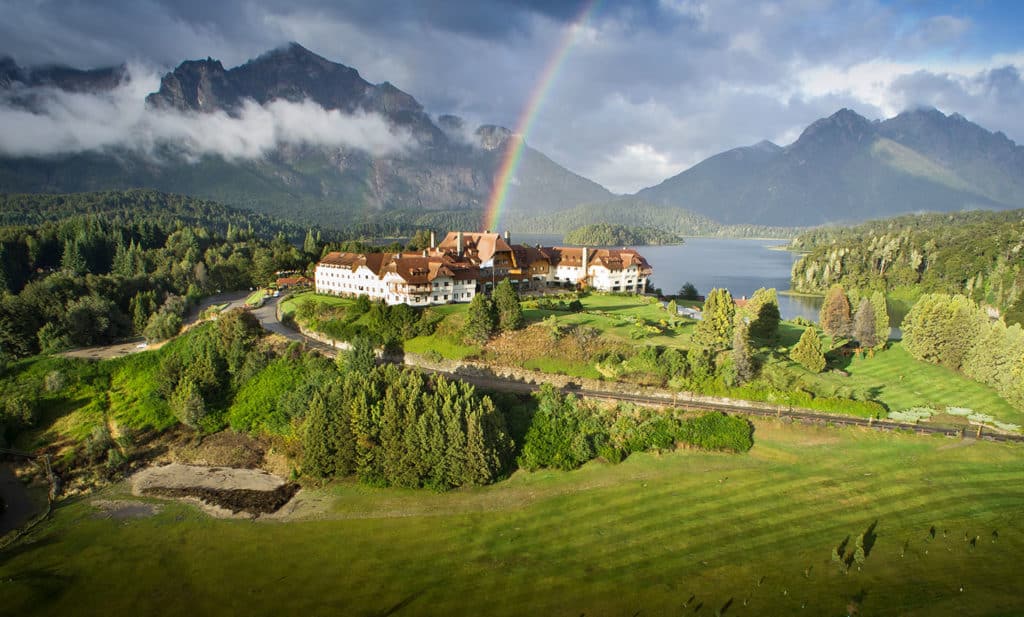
(606, 234)
(88, 269)
(976, 254)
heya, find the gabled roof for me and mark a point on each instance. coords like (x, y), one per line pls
(619, 259)
(352, 261)
(566, 256)
(478, 246)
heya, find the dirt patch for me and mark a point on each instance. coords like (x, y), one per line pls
(234, 500)
(223, 449)
(223, 491)
(122, 510)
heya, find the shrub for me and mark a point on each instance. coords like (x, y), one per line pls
(717, 431)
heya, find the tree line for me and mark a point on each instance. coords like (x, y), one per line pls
(975, 254)
(955, 332)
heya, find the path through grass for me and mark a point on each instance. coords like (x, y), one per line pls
(643, 536)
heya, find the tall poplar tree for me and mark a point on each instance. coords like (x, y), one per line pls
(835, 313)
(882, 328)
(864, 326)
(742, 358)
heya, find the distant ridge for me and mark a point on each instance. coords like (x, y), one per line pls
(847, 168)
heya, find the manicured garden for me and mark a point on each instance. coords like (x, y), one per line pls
(686, 532)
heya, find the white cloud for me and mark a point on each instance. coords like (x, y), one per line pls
(633, 166)
(66, 122)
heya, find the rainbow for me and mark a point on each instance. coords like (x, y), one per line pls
(515, 143)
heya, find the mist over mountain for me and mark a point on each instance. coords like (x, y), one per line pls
(847, 168)
(293, 134)
(289, 133)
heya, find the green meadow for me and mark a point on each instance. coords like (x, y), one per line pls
(683, 532)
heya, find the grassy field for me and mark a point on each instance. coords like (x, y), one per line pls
(683, 532)
(899, 381)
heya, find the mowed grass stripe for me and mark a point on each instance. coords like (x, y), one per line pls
(593, 541)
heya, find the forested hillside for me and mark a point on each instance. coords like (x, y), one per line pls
(604, 234)
(637, 212)
(92, 268)
(141, 206)
(977, 254)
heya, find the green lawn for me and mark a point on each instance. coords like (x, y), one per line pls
(291, 303)
(655, 535)
(899, 381)
(256, 297)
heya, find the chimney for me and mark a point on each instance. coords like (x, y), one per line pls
(459, 244)
(433, 241)
(508, 236)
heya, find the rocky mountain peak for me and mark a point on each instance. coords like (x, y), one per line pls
(492, 136)
(842, 130)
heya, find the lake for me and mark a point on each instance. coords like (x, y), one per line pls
(741, 266)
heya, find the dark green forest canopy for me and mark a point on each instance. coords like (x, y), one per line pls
(979, 254)
(92, 268)
(605, 234)
(138, 206)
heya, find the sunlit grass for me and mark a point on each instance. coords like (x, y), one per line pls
(643, 536)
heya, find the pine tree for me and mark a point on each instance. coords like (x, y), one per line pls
(864, 325)
(510, 312)
(807, 352)
(4, 278)
(72, 260)
(318, 455)
(742, 358)
(481, 319)
(361, 358)
(187, 403)
(309, 245)
(882, 328)
(714, 331)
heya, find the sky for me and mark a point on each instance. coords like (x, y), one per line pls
(646, 89)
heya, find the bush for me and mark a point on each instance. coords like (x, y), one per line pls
(717, 431)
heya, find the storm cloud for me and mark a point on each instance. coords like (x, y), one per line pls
(648, 88)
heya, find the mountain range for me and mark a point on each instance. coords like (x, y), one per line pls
(847, 168)
(841, 168)
(448, 169)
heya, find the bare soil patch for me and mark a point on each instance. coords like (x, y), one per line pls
(122, 510)
(223, 449)
(222, 491)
